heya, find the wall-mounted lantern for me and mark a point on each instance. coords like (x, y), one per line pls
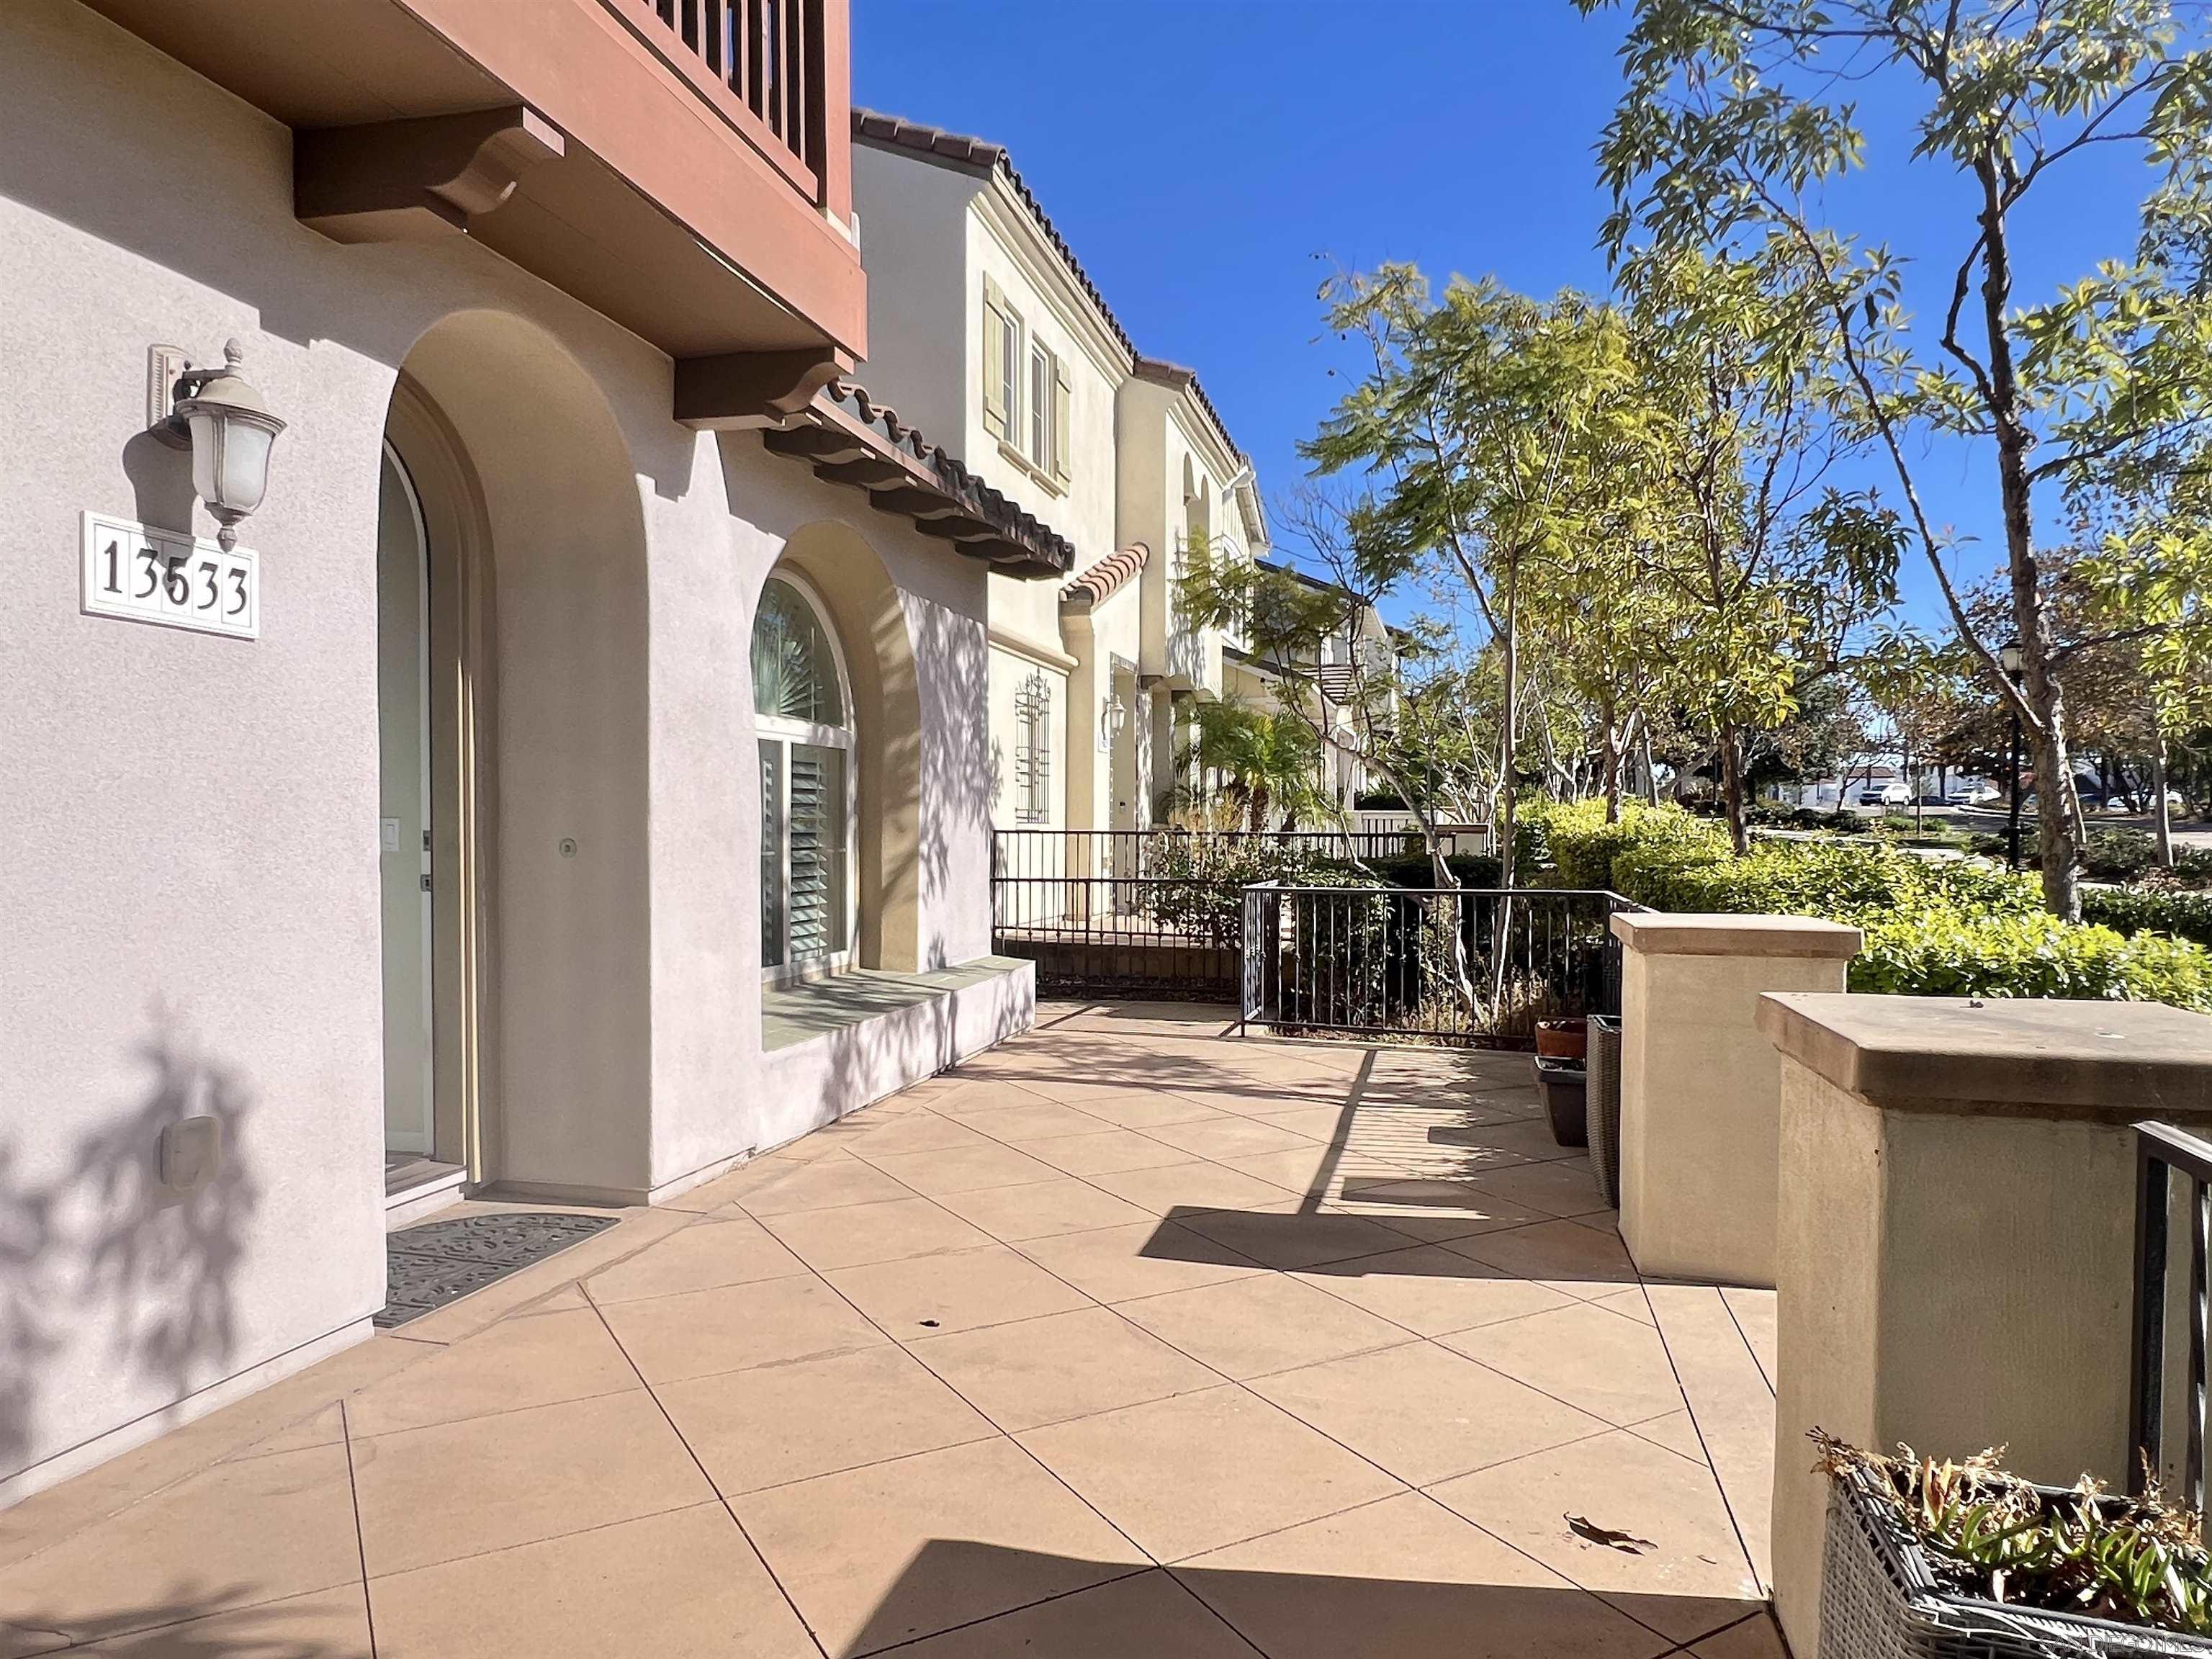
(1113, 719)
(218, 415)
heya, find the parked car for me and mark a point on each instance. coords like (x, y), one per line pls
(1885, 794)
(1984, 794)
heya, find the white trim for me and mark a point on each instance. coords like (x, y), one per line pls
(1014, 227)
(781, 729)
(1014, 645)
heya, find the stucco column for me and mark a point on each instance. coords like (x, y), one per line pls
(1700, 1140)
(1956, 1254)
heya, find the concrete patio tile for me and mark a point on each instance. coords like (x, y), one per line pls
(1245, 1098)
(533, 1287)
(1318, 1123)
(331, 1624)
(1559, 1252)
(1425, 1413)
(435, 1494)
(1145, 1109)
(1105, 1153)
(1194, 1186)
(1063, 1365)
(1305, 1168)
(824, 1184)
(1253, 1326)
(906, 1132)
(1561, 1188)
(1201, 1470)
(776, 1424)
(534, 1360)
(1630, 1303)
(1407, 1578)
(1730, 1403)
(1608, 1366)
(1222, 1138)
(910, 1299)
(1753, 1311)
(761, 1172)
(964, 1168)
(1041, 1120)
(1039, 1209)
(1433, 1291)
(1120, 1264)
(1526, 1138)
(1684, 1573)
(1756, 1638)
(327, 1427)
(966, 1092)
(682, 1585)
(1295, 1238)
(862, 1233)
(1091, 1083)
(1675, 1431)
(896, 1551)
(254, 1530)
(1148, 1616)
(1435, 1208)
(723, 1249)
(771, 1322)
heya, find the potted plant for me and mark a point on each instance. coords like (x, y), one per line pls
(1944, 1561)
(1563, 1039)
(1564, 1086)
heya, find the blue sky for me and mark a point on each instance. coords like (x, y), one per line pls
(1211, 159)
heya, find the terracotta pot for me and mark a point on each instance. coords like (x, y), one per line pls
(1563, 1039)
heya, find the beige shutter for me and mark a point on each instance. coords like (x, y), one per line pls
(995, 412)
(1060, 403)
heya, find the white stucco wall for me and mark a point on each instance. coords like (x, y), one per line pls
(190, 921)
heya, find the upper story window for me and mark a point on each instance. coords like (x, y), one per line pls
(1026, 393)
(1033, 750)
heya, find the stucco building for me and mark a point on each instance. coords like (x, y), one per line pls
(984, 326)
(600, 659)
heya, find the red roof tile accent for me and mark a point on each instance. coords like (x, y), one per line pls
(1109, 576)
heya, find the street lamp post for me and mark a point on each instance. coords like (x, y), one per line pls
(2009, 654)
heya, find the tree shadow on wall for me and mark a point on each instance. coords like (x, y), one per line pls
(102, 1238)
(960, 771)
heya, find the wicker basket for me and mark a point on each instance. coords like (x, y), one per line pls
(1879, 1601)
(1604, 1109)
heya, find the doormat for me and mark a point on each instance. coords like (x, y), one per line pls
(440, 1261)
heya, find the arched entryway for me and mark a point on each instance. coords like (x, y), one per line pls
(513, 701)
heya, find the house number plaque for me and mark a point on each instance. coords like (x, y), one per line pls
(142, 574)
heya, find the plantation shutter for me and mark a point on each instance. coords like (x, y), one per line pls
(996, 414)
(1060, 403)
(816, 902)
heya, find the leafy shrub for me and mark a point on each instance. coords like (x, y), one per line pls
(2119, 855)
(2172, 910)
(2192, 866)
(1583, 846)
(1197, 881)
(1414, 870)
(2037, 955)
(1843, 882)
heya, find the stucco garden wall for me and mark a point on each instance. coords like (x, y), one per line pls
(191, 919)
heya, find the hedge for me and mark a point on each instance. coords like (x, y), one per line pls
(1932, 929)
(2150, 910)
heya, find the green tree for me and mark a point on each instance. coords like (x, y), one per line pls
(1738, 113)
(1268, 760)
(1497, 433)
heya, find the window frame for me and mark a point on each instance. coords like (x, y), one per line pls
(790, 733)
(1033, 750)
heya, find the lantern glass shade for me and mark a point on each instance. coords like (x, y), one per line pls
(2009, 655)
(230, 458)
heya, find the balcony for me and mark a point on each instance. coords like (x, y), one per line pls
(682, 165)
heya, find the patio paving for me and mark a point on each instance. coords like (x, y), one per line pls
(1128, 1337)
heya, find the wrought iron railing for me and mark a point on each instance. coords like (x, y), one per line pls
(2166, 1413)
(758, 62)
(1152, 911)
(1478, 966)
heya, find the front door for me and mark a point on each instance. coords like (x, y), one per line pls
(403, 687)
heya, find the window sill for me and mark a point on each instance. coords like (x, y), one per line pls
(1038, 475)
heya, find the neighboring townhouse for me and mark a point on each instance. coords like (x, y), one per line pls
(1329, 677)
(983, 324)
(445, 741)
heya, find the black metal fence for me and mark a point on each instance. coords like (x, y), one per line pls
(1156, 911)
(2166, 1413)
(1478, 966)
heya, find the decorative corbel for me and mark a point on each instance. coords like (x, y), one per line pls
(386, 181)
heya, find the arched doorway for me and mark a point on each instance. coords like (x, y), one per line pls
(512, 686)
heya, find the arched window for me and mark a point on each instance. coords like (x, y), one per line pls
(802, 707)
(1033, 750)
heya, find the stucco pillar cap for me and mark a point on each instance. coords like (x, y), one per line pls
(1661, 933)
(2112, 1062)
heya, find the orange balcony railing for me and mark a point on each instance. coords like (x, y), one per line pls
(759, 63)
